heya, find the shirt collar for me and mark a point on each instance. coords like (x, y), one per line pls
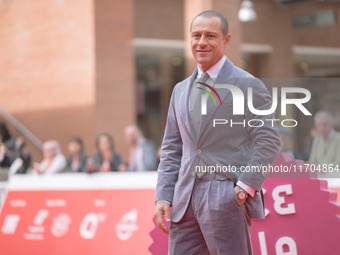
(330, 135)
(214, 70)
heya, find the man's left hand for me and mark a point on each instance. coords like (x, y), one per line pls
(237, 189)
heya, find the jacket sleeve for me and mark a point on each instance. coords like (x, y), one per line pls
(265, 139)
(170, 161)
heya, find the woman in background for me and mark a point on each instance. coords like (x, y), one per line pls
(76, 161)
(53, 162)
(106, 157)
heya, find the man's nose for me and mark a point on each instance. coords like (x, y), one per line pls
(202, 42)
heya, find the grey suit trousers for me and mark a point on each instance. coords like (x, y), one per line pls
(214, 223)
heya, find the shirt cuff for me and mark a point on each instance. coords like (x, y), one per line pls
(250, 190)
(162, 201)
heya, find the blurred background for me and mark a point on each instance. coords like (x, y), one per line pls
(85, 87)
(84, 67)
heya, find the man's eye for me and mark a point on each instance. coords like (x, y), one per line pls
(210, 36)
(196, 36)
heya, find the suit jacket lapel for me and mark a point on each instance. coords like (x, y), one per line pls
(226, 74)
(184, 110)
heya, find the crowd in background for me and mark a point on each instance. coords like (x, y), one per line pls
(12, 149)
(325, 148)
(143, 155)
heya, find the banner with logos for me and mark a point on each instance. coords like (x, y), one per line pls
(112, 213)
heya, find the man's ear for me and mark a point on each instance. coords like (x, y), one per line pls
(227, 40)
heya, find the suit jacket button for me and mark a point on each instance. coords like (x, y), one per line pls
(199, 151)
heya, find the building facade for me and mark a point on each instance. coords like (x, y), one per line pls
(82, 67)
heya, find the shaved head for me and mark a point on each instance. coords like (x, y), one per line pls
(211, 13)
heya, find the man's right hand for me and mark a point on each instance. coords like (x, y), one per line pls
(162, 208)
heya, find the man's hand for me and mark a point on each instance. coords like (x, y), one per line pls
(236, 191)
(162, 208)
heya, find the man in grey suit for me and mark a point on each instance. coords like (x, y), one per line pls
(211, 210)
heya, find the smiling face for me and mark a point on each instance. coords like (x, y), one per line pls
(208, 43)
(323, 126)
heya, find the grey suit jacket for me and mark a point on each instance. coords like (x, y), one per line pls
(223, 145)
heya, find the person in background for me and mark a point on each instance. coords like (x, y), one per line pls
(286, 143)
(142, 156)
(91, 166)
(326, 144)
(76, 161)
(106, 158)
(4, 133)
(12, 148)
(309, 142)
(4, 138)
(3, 158)
(53, 162)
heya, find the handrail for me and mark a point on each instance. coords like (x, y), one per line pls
(21, 128)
